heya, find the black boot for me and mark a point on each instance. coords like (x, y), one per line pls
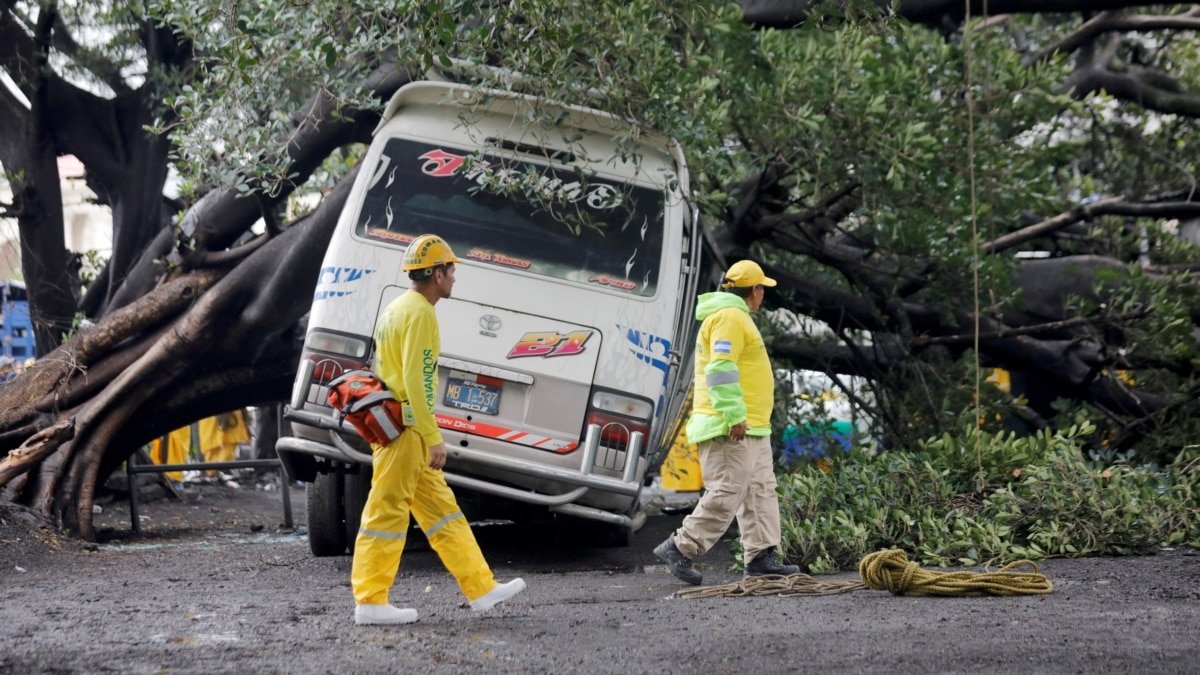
(765, 563)
(679, 564)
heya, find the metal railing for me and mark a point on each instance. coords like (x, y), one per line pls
(133, 468)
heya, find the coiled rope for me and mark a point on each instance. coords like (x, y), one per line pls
(892, 571)
(772, 584)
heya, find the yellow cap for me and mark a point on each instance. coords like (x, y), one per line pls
(427, 250)
(746, 273)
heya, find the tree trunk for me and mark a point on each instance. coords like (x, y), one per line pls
(226, 333)
(264, 431)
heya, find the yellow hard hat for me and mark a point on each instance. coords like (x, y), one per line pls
(427, 250)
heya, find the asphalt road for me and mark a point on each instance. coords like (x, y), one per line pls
(213, 585)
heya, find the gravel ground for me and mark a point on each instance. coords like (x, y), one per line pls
(215, 584)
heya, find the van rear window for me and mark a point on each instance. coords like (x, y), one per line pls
(517, 215)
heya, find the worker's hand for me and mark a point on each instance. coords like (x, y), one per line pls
(737, 432)
(437, 456)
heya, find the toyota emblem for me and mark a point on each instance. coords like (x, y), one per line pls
(490, 322)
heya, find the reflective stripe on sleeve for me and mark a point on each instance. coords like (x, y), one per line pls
(722, 377)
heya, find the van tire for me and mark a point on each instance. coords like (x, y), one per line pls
(326, 515)
(612, 536)
(574, 531)
(358, 486)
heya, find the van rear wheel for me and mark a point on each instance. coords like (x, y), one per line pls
(591, 533)
(611, 536)
(326, 515)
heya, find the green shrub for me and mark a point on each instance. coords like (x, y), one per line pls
(982, 498)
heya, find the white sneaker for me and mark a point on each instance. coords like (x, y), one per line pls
(370, 615)
(498, 595)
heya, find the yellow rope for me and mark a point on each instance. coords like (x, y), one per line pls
(772, 584)
(891, 571)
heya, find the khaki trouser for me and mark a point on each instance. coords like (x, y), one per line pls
(739, 481)
(403, 485)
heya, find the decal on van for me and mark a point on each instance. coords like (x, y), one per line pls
(441, 163)
(380, 233)
(455, 423)
(332, 275)
(651, 349)
(497, 258)
(517, 215)
(605, 280)
(597, 195)
(550, 344)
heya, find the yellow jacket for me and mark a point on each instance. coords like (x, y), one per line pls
(734, 379)
(408, 345)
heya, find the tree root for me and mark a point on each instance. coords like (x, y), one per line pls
(35, 448)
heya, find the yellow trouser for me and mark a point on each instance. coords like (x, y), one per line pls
(739, 481)
(403, 484)
(219, 444)
(179, 442)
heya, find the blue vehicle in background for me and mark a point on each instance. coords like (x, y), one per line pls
(16, 330)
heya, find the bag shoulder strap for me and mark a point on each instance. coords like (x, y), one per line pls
(374, 398)
(352, 373)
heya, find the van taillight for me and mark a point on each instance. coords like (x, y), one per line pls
(616, 430)
(619, 415)
(327, 366)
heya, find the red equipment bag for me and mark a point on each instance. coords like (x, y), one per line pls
(363, 400)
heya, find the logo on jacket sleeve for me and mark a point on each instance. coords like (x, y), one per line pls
(722, 347)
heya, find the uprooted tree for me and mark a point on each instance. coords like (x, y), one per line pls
(884, 168)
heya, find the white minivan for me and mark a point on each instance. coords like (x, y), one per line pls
(566, 348)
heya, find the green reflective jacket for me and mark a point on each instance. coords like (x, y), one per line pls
(734, 380)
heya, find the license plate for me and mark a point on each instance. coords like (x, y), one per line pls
(477, 397)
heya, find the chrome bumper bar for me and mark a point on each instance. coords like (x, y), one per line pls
(628, 484)
(318, 449)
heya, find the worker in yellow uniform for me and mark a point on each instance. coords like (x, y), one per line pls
(731, 423)
(408, 476)
(221, 435)
(179, 446)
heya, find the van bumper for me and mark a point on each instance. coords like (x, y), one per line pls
(583, 479)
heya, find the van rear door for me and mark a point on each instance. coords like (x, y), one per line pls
(537, 398)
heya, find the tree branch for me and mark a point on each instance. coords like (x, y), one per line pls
(1135, 87)
(104, 70)
(222, 215)
(18, 404)
(1181, 268)
(41, 90)
(202, 259)
(924, 340)
(793, 13)
(33, 450)
(834, 357)
(1113, 22)
(1105, 207)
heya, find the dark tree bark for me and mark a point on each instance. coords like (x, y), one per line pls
(791, 13)
(221, 329)
(224, 322)
(264, 430)
(250, 310)
(29, 153)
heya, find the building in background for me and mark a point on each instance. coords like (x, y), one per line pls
(16, 330)
(87, 226)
